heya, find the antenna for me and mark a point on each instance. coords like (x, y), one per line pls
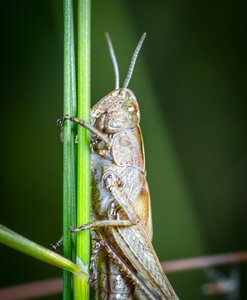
(133, 61)
(114, 60)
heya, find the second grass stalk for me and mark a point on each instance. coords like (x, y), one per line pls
(83, 169)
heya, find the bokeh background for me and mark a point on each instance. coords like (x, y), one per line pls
(190, 80)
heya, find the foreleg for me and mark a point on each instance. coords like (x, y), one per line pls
(102, 136)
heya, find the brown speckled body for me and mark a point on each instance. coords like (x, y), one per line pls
(117, 116)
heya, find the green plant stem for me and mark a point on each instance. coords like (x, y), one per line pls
(69, 182)
(83, 175)
(24, 245)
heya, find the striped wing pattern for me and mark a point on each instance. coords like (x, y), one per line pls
(140, 252)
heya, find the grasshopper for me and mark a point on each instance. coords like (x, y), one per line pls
(124, 264)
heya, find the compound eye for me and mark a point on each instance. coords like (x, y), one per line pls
(100, 122)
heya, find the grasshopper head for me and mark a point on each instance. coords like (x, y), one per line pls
(117, 111)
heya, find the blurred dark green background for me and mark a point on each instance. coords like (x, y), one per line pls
(190, 80)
